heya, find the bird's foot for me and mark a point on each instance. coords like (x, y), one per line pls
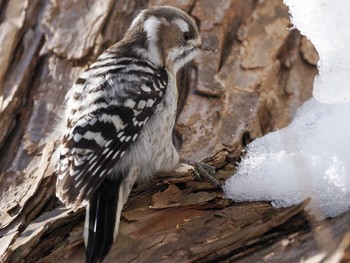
(203, 170)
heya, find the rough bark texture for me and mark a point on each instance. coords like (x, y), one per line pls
(252, 86)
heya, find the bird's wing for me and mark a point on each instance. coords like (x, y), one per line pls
(101, 130)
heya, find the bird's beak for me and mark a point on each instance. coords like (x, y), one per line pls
(198, 44)
(206, 48)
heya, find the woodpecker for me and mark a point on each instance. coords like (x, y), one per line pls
(118, 121)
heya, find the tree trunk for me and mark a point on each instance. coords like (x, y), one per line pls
(253, 85)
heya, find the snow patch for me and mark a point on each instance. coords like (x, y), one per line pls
(326, 24)
(310, 157)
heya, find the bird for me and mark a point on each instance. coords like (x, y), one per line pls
(118, 118)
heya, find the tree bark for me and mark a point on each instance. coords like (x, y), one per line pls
(253, 85)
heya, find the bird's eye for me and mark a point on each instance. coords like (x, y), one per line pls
(187, 36)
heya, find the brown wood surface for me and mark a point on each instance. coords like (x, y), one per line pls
(253, 85)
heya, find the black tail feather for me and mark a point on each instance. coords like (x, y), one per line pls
(101, 221)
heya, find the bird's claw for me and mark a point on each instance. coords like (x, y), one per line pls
(204, 170)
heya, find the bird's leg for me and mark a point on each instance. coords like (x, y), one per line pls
(203, 170)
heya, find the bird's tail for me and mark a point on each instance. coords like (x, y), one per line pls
(103, 215)
(100, 220)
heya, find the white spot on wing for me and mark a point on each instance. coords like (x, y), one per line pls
(108, 143)
(92, 167)
(78, 176)
(109, 154)
(142, 104)
(115, 155)
(77, 137)
(92, 121)
(146, 88)
(95, 136)
(116, 120)
(93, 159)
(103, 172)
(129, 103)
(156, 88)
(97, 169)
(105, 151)
(149, 103)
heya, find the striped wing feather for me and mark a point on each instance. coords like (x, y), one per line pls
(96, 141)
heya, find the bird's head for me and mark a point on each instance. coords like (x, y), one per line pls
(168, 37)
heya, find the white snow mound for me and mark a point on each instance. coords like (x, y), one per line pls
(309, 158)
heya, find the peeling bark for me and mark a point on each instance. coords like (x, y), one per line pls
(252, 86)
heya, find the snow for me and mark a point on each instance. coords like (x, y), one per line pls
(310, 157)
(326, 24)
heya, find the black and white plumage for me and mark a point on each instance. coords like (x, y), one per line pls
(118, 121)
(106, 110)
